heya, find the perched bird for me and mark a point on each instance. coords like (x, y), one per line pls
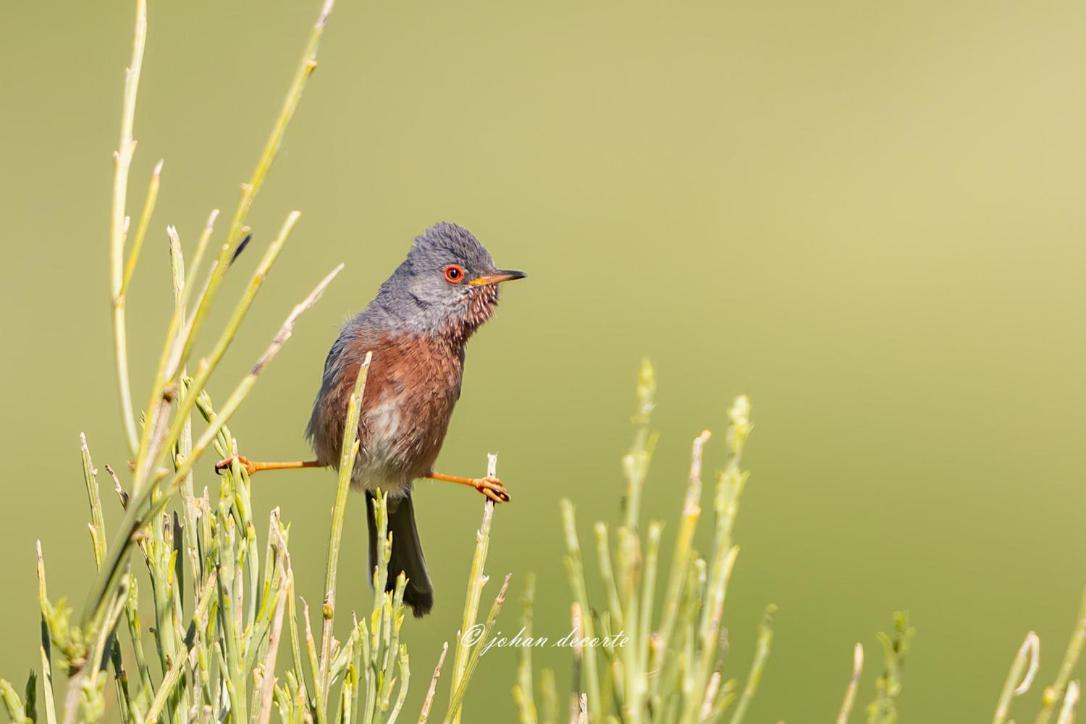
(416, 328)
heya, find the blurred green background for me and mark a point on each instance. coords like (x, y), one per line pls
(870, 217)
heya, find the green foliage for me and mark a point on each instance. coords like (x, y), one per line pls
(895, 647)
(219, 603)
(634, 663)
(206, 640)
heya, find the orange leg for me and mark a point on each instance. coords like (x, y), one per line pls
(254, 468)
(492, 488)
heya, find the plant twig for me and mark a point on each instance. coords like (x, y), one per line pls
(428, 702)
(1067, 711)
(853, 684)
(761, 655)
(122, 160)
(457, 700)
(348, 456)
(476, 580)
(1019, 677)
(1055, 692)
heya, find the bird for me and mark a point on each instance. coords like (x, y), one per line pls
(416, 329)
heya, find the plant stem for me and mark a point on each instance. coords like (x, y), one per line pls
(428, 702)
(761, 655)
(853, 684)
(458, 695)
(1019, 677)
(348, 456)
(250, 189)
(1053, 693)
(122, 163)
(476, 580)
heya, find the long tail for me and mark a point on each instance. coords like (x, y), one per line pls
(406, 553)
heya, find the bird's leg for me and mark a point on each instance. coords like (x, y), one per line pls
(491, 487)
(256, 467)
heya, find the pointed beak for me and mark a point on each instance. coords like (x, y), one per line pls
(502, 275)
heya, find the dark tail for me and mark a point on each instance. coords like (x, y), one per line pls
(406, 553)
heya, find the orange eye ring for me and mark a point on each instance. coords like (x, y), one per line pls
(454, 273)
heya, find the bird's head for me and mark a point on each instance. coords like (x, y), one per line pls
(448, 284)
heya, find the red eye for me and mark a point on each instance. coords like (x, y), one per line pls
(454, 273)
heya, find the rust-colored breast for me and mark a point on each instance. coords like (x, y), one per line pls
(412, 387)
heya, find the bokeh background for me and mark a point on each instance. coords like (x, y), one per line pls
(869, 217)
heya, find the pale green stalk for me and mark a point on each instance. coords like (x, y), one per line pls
(709, 631)
(853, 685)
(523, 690)
(279, 533)
(761, 655)
(1067, 711)
(209, 364)
(355, 671)
(250, 189)
(1019, 678)
(549, 697)
(12, 703)
(144, 224)
(149, 456)
(635, 463)
(457, 699)
(895, 648)
(97, 524)
(575, 572)
(348, 456)
(314, 662)
(1055, 692)
(267, 687)
(476, 580)
(405, 680)
(428, 702)
(145, 687)
(603, 560)
(47, 687)
(680, 559)
(159, 552)
(118, 229)
(637, 689)
(576, 694)
(133, 519)
(184, 442)
(234, 676)
(122, 160)
(165, 690)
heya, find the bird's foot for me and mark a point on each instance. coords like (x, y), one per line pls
(492, 488)
(228, 463)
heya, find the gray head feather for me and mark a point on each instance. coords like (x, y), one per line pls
(418, 296)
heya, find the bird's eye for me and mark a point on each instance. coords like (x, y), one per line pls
(454, 273)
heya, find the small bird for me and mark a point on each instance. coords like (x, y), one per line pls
(416, 329)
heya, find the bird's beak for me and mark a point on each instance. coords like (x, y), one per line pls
(502, 275)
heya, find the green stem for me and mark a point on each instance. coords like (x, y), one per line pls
(119, 222)
(348, 456)
(267, 157)
(1055, 692)
(761, 655)
(457, 699)
(476, 580)
(135, 517)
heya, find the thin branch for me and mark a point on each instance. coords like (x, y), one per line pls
(122, 163)
(1019, 678)
(428, 702)
(853, 684)
(476, 580)
(348, 456)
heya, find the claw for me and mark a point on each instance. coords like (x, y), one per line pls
(227, 463)
(493, 489)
